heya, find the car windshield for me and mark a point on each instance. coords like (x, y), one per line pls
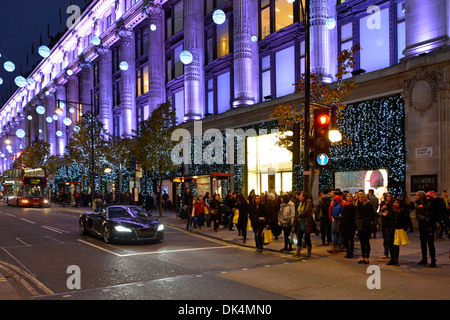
(138, 213)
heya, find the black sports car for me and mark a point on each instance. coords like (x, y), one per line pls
(121, 222)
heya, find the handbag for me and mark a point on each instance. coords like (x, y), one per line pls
(400, 238)
(236, 216)
(249, 224)
(268, 236)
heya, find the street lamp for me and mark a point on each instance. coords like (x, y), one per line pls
(60, 112)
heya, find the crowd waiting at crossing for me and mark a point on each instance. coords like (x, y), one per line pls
(338, 218)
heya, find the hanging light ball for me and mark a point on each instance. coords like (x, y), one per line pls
(20, 81)
(96, 41)
(20, 133)
(49, 119)
(153, 27)
(254, 39)
(186, 57)
(9, 66)
(44, 51)
(40, 109)
(55, 117)
(1, 81)
(67, 121)
(59, 133)
(30, 117)
(219, 17)
(330, 23)
(69, 72)
(123, 66)
(76, 129)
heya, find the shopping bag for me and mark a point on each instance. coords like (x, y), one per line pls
(400, 238)
(206, 210)
(236, 216)
(293, 238)
(268, 236)
(249, 225)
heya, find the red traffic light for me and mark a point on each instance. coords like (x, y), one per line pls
(323, 120)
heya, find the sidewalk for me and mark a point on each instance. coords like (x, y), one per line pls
(410, 255)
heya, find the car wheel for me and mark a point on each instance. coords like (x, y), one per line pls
(106, 234)
(82, 227)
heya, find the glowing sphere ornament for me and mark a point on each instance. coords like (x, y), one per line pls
(9, 66)
(219, 17)
(186, 57)
(44, 51)
(123, 66)
(96, 41)
(67, 121)
(49, 119)
(40, 109)
(20, 133)
(20, 81)
(330, 23)
(59, 133)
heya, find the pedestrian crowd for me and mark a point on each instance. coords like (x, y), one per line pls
(338, 218)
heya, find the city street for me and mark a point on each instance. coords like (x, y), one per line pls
(39, 249)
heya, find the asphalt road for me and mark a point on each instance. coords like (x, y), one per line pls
(41, 248)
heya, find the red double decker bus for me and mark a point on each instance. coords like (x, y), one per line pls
(25, 187)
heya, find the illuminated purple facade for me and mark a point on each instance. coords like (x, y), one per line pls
(240, 69)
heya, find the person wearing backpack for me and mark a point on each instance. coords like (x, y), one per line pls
(335, 216)
(322, 213)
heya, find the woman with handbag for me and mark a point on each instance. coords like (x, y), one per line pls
(396, 221)
(286, 217)
(258, 217)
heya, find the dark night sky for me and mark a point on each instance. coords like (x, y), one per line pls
(21, 24)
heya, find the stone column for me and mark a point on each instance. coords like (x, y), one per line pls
(105, 79)
(128, 82)
(50, 106)
(86, 82)
(72, 96)
(156, 61)
(194, 80)
(245, 53)
(321, 50)
(426, 25)
(60, 94)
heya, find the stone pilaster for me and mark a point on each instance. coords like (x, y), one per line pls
(425, 28)
(86, 82)
(105, 99)
(321, 49)
(194, 84)
(72, 96)
(245, 53)
(156, 61)
(128, 79)
(59, 125)
(50, 106)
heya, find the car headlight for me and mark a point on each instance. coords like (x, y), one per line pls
(160, 227)
(45, 201)
(122, 229)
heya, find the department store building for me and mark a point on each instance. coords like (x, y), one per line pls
(229, 69)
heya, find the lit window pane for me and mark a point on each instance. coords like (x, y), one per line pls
(284, 14)
(223, 40)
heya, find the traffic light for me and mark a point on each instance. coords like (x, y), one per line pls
(322, 120)
(295, 145)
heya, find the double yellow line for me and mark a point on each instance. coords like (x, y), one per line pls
(26, 280)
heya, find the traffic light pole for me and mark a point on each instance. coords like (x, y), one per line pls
(306, 166)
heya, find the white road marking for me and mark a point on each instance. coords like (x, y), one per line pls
(150, 252)
(32, 222)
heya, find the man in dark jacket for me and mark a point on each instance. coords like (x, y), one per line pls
(426, 216)
(322, 207)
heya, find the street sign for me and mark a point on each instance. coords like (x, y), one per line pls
(322, 159)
